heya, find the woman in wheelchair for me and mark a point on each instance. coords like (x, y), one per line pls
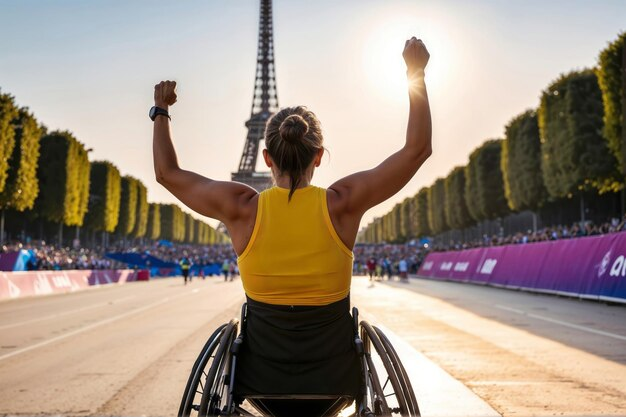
(294, 243)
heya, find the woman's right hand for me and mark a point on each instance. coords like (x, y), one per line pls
(415, 55)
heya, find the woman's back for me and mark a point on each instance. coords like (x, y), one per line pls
(294, 256)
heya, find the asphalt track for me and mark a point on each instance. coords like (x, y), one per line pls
(470, 350)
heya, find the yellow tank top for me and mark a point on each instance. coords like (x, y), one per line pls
(294, 256)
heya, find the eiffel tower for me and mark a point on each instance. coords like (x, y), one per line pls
(264, 104)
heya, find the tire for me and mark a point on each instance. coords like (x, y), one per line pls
(200, 380)
(389, 389)
(214, 395)
(405, 382)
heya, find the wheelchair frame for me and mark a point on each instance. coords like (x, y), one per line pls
(210, 386)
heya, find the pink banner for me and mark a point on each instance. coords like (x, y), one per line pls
(591, 267)
(466, 263)
(22, 284)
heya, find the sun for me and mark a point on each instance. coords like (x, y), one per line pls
(383, 64)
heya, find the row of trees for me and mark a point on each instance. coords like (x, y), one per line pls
(570, 146)
(48, 176)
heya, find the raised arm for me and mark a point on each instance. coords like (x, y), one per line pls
(223, 200)
(357, 193)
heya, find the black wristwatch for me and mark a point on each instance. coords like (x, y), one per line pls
(156, 111)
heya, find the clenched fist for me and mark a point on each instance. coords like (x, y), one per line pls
(415, 55)
(165, 94)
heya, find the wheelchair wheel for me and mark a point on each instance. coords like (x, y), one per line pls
(206, 384)
(389, 390)
(214, 395)
(403, 377)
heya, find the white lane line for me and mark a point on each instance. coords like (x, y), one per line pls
(92, 326)
(53, 316)
(438, 393)
(562, 323)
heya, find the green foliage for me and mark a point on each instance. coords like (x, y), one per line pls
(521, 163)
(83, 175)
(63, 176)
(189, 228)
(8, 112)
(196, 231)
(575, 155)
(436, 205)
(208, 235)
(484, 187)
(420, 205)
(202, 233)
(378, 230)
(407, 230)
(104, 196)
(610, 72)
(21, 187)
(154, 221)
(141, 216)
(387, 232)
(456, 212)
(396, 224)
(172, 223)
(471, 189)
(113, 199)
(128, 206)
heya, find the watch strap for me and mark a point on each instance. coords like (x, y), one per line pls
(158, 111)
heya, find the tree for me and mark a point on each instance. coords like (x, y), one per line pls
(202, 234)
(21, 186)
(154, 221)
(104, 197)
(575, 155)
(83, 176)
(421, 207)
(172, 223)
(387, 227)
(141, 216)
(396, 224)
(436, 207)
(484, 188)
(8, 112)
(406, 224)
(521, 163)
(63, 177)
(128, 206)
(471, 189)
(189, 228)
(610, 72)
(456, 212)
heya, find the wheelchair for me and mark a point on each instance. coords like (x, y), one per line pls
(385, 389)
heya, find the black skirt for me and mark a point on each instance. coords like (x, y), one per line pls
(298, 350)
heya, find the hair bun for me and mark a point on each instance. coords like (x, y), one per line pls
(293, 128)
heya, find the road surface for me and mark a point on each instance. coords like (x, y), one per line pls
(471, 350)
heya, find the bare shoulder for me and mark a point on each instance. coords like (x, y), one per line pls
(241, 227)
(345, 222)
(336, 197)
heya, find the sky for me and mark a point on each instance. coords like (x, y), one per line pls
(90, 67)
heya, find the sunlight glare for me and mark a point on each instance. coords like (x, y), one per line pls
(382, 60)
(383, 64)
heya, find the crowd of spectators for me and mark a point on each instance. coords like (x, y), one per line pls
(377, 260)
(45, 256)
(51, 257)
(386, 260)
(199, 255)
(545, 234)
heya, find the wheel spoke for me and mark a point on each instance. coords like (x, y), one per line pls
(386, 382)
